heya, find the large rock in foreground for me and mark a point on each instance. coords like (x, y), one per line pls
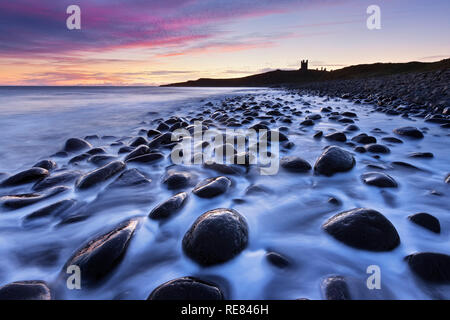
(333, 160)
(186, 288)
(25, 290)
(363, 229)
(431, 267)
(216, 236)
(103, 253)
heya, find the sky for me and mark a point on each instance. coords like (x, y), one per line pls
(147, 42)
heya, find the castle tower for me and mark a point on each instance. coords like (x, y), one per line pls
(304, 65)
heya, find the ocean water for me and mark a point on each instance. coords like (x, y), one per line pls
(286, 217)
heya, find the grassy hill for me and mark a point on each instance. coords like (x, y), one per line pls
(280, 77)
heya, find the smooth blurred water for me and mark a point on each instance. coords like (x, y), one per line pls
(287, 218)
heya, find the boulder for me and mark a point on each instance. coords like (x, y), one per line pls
(363, 229)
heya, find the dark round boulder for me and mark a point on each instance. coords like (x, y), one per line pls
(187, 288)
(212, 187)
(363, 138)
(169, 207)
(295, 164)
(335, 288)
(410, 132)
(377, 148)
(177, 180)
(427, 221)
(216, 236)
(76, 144)
(25, 290)
(336, 136)
(363, 229)
(334, 160)
(379, 179)
(430, 266)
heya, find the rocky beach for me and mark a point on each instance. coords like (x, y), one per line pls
(363, 180)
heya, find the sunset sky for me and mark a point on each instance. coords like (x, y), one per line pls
(142, 42)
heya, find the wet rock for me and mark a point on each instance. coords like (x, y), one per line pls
(349, 114)
(138, 141)
(363, 229)
(335, 288)
(54, 209)
(421, 155)
(23, 200)
(79, 158)
(130, 178)
(216, 236)
(427, 221)
(76, 144)
(360, 149)
(411, 132)
(64, 178)
(318, 135)
(352, 127)
(277, 260)
(102, 254)
(147, 158)
(139, 151)
(430, 266)
(46, 164)
(101, 159)
(100, 175)
(377, 148)
(27, 176)
(392, 140)
(212, 187)
(153, 133)
(272, 135)
(334, 160)
(295, 164)
(169, 207)
(336, 136)
(314, 116)
(363, 138)
(187, 288)
(25, 290)
(447, 179)
(95, 151)
(224, 168)
(379, 179)
(177, 180)
(307, 123)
